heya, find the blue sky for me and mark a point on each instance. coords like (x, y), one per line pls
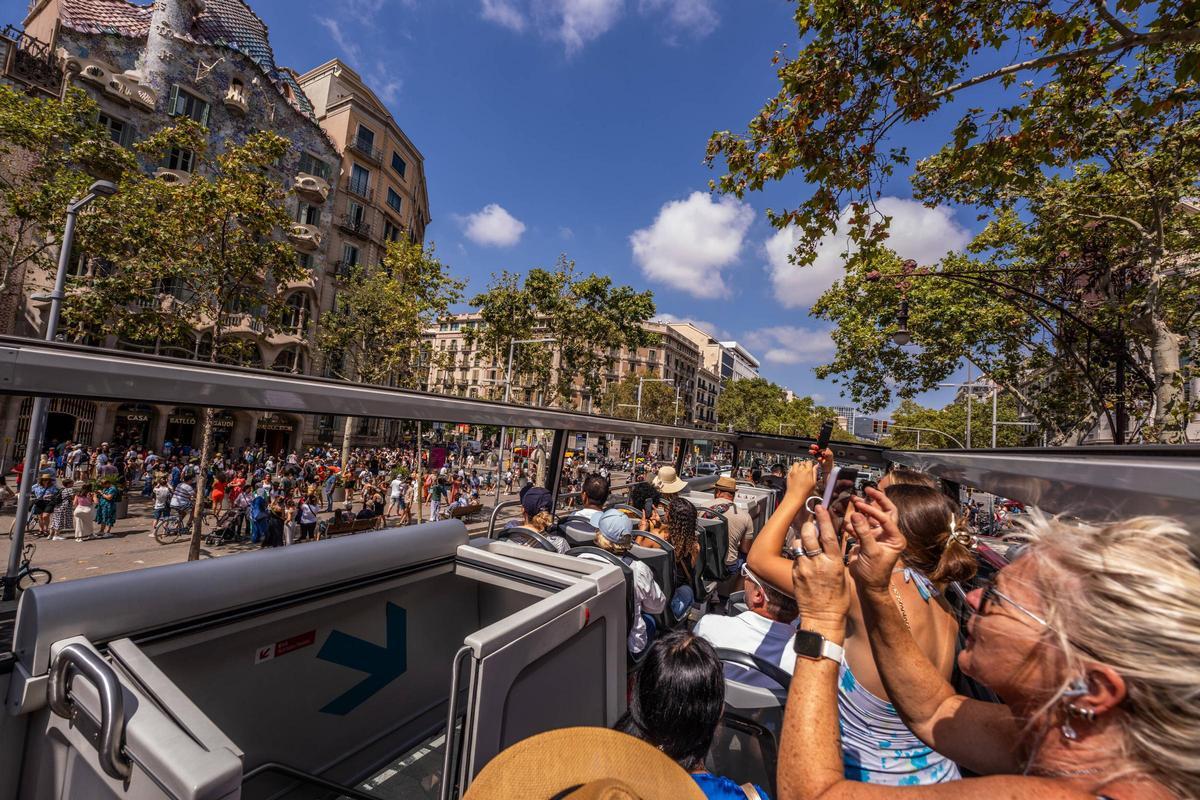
(579, 127)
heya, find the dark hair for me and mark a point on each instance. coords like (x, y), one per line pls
(681, 528)
(596, 489)
(903, 476)
(756, 475)
(639, 493)
(677, 698)
(925, 517)
(778, 469)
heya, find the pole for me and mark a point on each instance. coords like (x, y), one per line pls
(995, 395)
(918, 440)
(970, 403)
(504, 428)
(37, 413)
(419, 489)
(637, 439)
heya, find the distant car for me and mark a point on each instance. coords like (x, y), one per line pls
(707, 468)
(725, 470)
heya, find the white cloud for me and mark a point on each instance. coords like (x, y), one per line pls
(711, 329)
(695, 17)
(504, 13)
(790, 344)
(492, 226)
(924, 234)
(691, 241)
(565, 233)
(575, 23)
(345, 43)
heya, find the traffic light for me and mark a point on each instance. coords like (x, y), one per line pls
(879, 426)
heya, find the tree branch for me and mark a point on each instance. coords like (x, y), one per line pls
(1111, 19)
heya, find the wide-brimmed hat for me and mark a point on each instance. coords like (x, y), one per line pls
(668, 481)
(725, 484)
(591, 763)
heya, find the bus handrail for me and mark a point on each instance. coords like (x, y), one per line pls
(451, 721)
(307, 777)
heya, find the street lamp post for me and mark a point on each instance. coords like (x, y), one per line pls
(37, 414)
(507, 392)
(927, 430)
(637, 440)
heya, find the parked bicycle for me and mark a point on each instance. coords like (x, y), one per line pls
(172, 529)
(31, 576)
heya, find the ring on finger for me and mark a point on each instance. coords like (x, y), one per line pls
(813, 553)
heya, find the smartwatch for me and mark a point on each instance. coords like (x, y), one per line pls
(812, 645)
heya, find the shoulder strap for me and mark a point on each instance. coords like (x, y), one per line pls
(751, 791)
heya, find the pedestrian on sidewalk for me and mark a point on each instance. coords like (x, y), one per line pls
(63, 512)
(83, 511)
(106, 508)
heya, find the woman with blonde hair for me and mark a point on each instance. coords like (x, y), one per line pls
(1092, 637)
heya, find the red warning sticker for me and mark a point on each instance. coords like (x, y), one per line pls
(285, 646)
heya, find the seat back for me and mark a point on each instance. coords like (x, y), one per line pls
(577, 530)
(713, 532)
(746, 745)
(612, 558)
(526, 536)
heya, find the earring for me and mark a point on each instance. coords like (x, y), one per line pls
(1078, 688)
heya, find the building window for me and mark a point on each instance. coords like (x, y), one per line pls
(393, 199)
(305, 260)
(365, 139)
(314, 166)
(185, 104)
(349, 254)
(120, 130)
(308, 214)
(391, 233)
(180, 159)
(360, 180)
(398, 164)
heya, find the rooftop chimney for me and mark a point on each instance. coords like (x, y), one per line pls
(168, 19)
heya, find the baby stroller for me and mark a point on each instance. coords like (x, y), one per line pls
(229, 527)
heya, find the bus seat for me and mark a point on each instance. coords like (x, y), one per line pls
(746, 745)
(713, 532)
(630, 597)
(735, 604)
(577, 530)
(526, 536)
(659, 562)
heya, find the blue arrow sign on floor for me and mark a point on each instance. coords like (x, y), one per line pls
(382, 664)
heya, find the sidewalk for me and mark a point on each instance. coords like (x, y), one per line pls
(133, 546)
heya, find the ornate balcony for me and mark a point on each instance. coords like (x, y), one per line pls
(240, 322)
(365, 150)
(306, 237)
(354, 226)
(30, 62)
(359, 189)
(176, 177)
(124, 86)
(311, 187)
(235, 99)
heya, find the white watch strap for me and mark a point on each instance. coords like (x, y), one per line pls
(833, 652)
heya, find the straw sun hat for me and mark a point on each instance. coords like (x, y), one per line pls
(583, 764)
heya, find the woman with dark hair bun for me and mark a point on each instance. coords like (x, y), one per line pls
(677, 699)
(678, 526)
(877, 747)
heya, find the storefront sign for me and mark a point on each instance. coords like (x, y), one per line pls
(137, 417)
(181, 419)
(222, 422)
(275, 424)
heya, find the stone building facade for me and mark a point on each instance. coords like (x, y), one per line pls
(146, 66)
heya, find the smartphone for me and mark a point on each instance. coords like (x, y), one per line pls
(648, 508)
(824, 436)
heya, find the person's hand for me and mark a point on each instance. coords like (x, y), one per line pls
(879, 541)
(819, 579)
(824, 457)
(801, 480)
(644, 524)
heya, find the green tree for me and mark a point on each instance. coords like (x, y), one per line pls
(951, 421)
(373, 333)
(52, 151)
(1090, 76)
(619, 399)
(207, 255)
(588, 317)
(750, 405)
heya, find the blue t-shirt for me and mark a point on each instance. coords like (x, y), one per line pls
(716, 787)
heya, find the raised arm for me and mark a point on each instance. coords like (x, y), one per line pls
(983, 737)
(765, 558)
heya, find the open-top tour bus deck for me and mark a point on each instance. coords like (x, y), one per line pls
(395, 663)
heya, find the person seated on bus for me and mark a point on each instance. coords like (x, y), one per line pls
(595, 495)
(737, 520)
(643, 493)
(1091, 636)
(901, 475)
(876, 745)
(765, 630)
(675, 704)
(537, 505)
(615, 534)
(776, 479)
(676, 522)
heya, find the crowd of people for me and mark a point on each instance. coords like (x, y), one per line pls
(1087, 644)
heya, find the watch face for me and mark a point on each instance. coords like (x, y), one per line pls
(809, 644)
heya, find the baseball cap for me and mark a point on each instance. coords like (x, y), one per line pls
(616, 527)
(535, 499)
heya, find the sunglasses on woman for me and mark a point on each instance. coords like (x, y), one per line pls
(991, 595)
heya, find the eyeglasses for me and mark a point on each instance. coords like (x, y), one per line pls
(991, 594)
(746, 573)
